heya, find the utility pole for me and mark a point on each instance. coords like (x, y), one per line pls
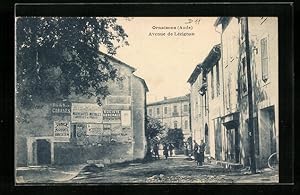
(250, 99)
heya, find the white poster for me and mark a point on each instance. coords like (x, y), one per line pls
(62, 129)
(111, 116)
(86, 113)
(126, 118)
(94, 129)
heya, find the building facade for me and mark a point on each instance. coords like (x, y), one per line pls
(172, 113)
(77, 129)
(207, 100)
(245, 41)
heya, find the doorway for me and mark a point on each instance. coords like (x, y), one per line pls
(233, 145)
(206, 139)
(43, 152)
(268, 131)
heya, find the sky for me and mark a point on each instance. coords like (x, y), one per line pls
(166, 61)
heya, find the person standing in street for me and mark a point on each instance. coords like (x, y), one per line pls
(195, 149)
(171, 148)
(198, 157)
(201, 151)
(155, 150)
(166, 151)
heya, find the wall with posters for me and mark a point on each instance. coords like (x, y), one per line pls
(78, 130)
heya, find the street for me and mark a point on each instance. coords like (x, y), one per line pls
(177, 169)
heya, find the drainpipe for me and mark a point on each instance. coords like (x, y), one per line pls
(223, 94)
(250, 100)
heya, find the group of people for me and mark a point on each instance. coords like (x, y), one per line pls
(199, 152)
(167, 150)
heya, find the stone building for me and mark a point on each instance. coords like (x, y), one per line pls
(77, 129)
(221, 85)
(263, 59)
(172, 113)
(206, 101)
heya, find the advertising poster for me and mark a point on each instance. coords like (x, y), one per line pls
(86, 113)
(111, 116)
(126, 118)
(61, 130)
(94, 129)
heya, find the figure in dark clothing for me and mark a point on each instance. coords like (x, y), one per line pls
(195, 149)
(171, 148)
(198, 157)
(165, 151)
(155, 150)
(201, 151)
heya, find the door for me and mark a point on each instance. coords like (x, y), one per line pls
(237, 145)
(43, 152)
(233, 145)
(206, 139)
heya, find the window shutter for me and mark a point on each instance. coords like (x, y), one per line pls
(264, 58)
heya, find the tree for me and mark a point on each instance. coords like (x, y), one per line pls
(154, 130)
(174, 136)
(58, 56)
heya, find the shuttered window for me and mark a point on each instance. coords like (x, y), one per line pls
(264, 58)
(186, 124)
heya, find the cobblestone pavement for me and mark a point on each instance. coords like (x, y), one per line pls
(176, 169)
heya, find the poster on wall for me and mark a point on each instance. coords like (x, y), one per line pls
(86, 113)
(126, 118)
(61, 108)
(62, 130)
(111, 116)
(94, 129)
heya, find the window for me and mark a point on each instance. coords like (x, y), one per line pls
(186, 124)
(175, 124)
(166, 110)
(175, 109)
(205, 103)
(218, 79)
(150, 112)
(185, 108)
(264, 58)
(157, 111)
(212, 82)
(244, 78)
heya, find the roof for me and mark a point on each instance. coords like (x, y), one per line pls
(143, 82)
(195, 74)
(117, 60)
(213, 56)
(221, 20)
(171, 100)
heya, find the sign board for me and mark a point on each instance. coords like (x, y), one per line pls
(126, 118)
(61, 108)
(94, 129)
(62, 129)
(86, 113)
(106, 129)
(111, 116)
